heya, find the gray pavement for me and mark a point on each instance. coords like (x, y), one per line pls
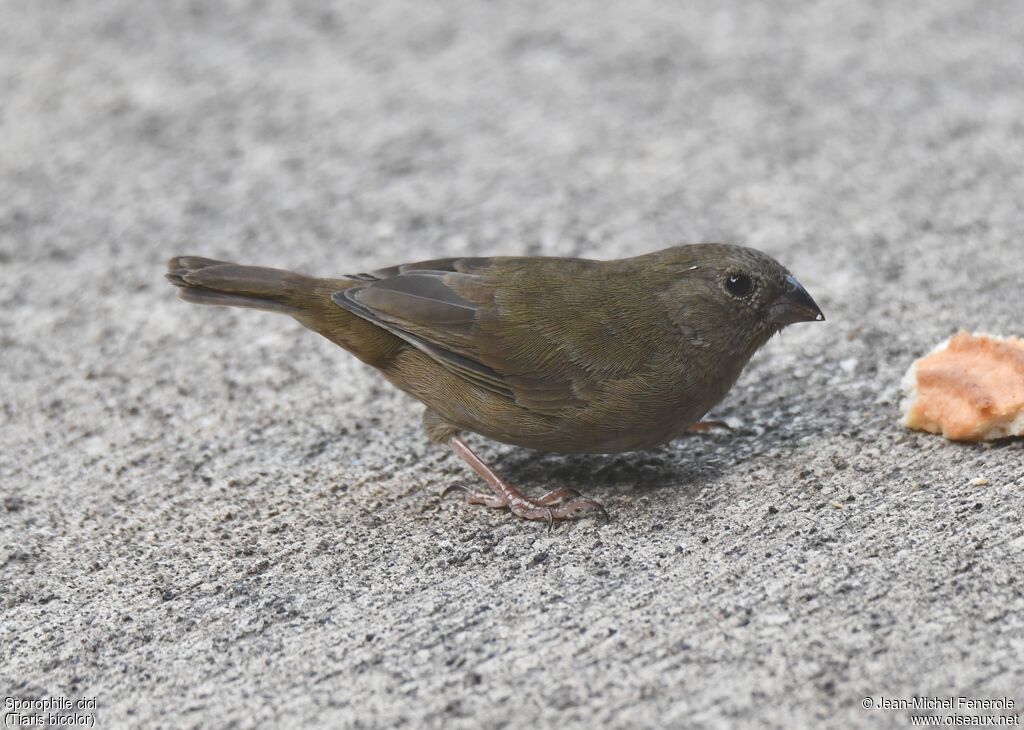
(214, 518)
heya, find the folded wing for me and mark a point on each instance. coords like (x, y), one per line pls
(511, 327)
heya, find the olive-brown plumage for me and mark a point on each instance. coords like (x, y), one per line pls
(555, 354)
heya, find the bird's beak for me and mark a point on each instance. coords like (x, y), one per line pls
(795, 305)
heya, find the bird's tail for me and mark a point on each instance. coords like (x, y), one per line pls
(206, 281)
(306, 298)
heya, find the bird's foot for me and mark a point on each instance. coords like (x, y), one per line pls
(705, 426)
(557, 504)
(494, 501)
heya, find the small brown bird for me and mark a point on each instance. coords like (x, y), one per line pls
(554, 354)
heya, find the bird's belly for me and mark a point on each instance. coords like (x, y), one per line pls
(593, 433)
(609, 422)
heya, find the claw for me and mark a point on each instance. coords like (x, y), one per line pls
(454, 488)
(705, 426)
(557, 495)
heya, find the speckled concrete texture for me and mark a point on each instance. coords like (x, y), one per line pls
(214, 518)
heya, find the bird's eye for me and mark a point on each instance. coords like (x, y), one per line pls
(738, 285)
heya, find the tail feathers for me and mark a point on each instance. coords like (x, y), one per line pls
(207, 281)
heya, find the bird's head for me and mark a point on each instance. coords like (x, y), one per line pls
(732, 298)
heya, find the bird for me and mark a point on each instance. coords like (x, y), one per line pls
(566, 355)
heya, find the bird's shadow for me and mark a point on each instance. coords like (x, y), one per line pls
(680, 465)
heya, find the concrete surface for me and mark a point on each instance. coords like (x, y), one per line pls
(213, 518)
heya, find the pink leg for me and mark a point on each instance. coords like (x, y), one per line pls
(505, 495)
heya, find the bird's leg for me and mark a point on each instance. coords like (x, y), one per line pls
(705, 426)
(505, 495)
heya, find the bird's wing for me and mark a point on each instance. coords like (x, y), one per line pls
(524, 328)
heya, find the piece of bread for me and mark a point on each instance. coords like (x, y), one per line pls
(969, 388)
